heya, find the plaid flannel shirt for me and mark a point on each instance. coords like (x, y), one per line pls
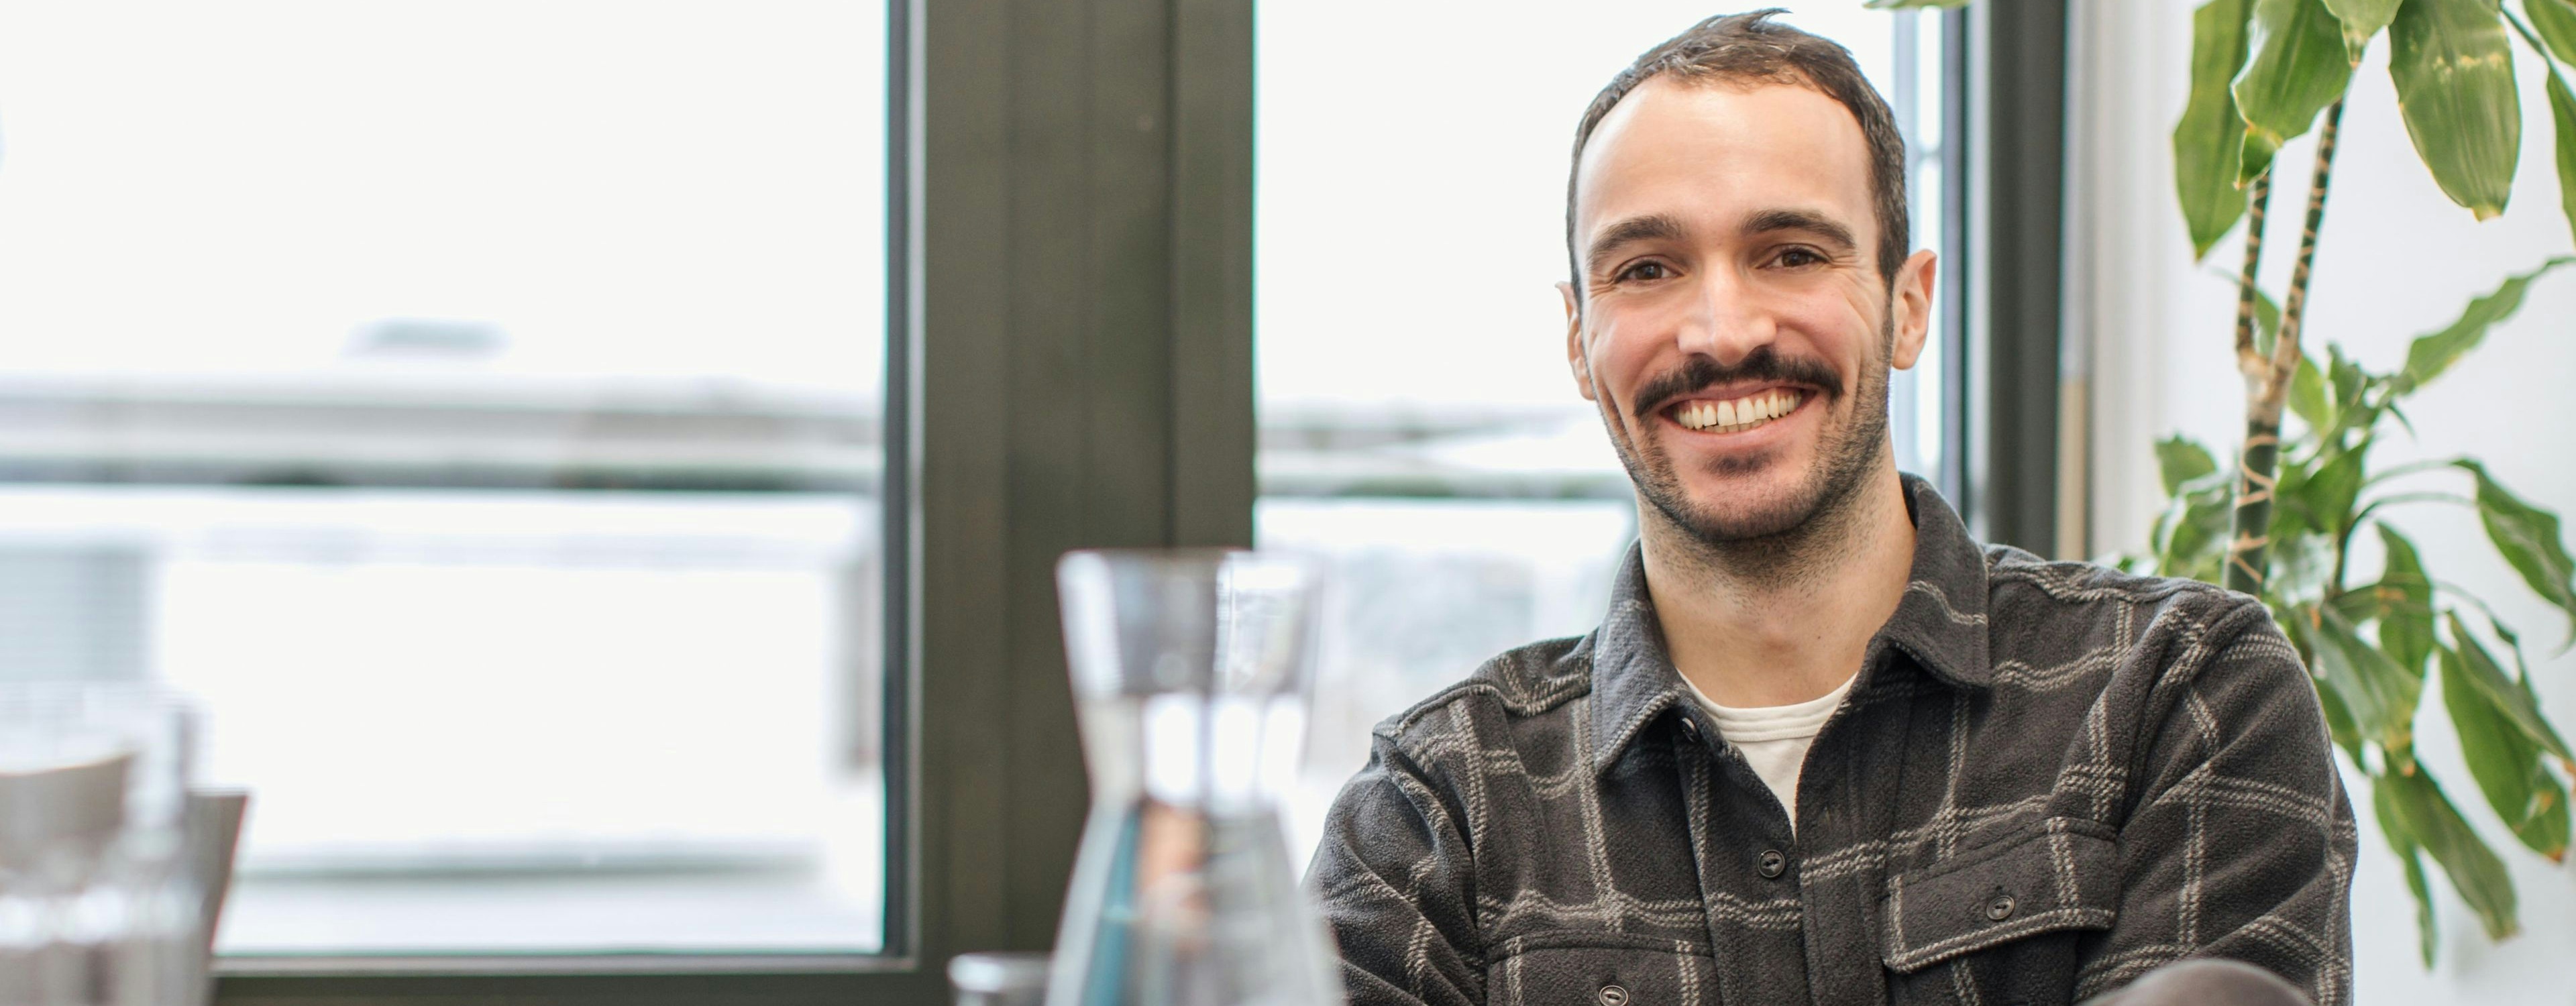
(2049, 778)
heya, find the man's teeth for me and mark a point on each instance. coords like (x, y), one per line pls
(1738, 414)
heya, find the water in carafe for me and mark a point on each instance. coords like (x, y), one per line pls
(1191, 672)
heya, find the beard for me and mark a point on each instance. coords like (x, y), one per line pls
(1847, 452)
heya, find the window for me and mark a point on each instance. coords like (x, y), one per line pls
(476, 404)
(1417, 423)
(482, 403)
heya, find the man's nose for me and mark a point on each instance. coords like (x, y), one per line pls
(1724, 321)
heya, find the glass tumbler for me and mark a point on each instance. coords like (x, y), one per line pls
(1191, 675)
(99, 902)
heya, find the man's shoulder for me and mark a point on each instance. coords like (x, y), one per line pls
(1535, 681)
(2051, 616)
(2024, 586)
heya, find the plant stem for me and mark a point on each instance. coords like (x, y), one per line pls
(2248, 558)
(2258, 198)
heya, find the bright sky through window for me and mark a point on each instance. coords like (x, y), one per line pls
(473, 404)
(621, 189)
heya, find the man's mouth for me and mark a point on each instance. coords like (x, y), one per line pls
(1736, 415)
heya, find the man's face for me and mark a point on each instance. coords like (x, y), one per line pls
(1733, 325)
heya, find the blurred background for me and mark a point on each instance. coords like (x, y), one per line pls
(483, 408)
(476, 407)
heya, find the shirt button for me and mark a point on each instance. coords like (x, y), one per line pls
(1999, 908)
(1772, 863)
(1612, 995)
(1690, 729)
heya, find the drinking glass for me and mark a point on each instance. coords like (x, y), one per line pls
(99, 902)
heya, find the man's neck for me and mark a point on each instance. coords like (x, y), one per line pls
(1786, 620)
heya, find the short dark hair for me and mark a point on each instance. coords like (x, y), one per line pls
(1748, 47)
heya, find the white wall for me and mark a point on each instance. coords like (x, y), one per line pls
(2396, 259)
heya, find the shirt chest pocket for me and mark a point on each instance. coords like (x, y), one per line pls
(1579, 970)
(2005, 917)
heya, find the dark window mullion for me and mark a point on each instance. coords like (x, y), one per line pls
(980, 497)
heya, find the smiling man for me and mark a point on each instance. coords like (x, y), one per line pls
(1823, 748)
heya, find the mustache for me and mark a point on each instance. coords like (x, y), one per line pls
(1763, 364)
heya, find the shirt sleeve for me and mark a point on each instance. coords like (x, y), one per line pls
(1394, 876)
(2240, 843)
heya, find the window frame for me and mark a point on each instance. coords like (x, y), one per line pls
(1069, 276)
(1070, 365)
(2010, 81)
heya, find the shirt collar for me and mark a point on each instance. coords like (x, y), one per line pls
(1940, 622)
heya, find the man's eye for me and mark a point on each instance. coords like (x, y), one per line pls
(1645, 270)
(1799, 258)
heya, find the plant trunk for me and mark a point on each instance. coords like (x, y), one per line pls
(2258, 202)
(2267, 382)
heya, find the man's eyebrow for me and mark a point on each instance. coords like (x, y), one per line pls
(1834, 233)
(1650, 227)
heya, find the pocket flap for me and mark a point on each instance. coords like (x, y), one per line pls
(2058, 875)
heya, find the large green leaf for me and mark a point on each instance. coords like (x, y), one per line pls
(2522, 676)
(2562, 119)
(2505, 761)
(2453, 65)
(2314, 501)
(2548, 829)
(2327, 495)
(2474, 869)
(2302, 547)
(2405, 597)
(2181, 460)
(2187, 533)
(2289, 483)
(2429, 355)
(2510, 696)
(2339, 724)
(2555, 20)
(2298, 67)
(2351, 390)
(2191, 537)
(2208, 139)
(2383, 799)
(2308, 396)
(2361, 20)
(2345, 378)
(2290, 529)
(2528, 536)
(2379, 695)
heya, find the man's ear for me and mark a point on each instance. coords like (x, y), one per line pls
(1911, 300)
(1574, 358)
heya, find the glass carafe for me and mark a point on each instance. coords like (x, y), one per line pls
(1191, 672)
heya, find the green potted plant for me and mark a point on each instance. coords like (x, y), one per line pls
(2281, 520)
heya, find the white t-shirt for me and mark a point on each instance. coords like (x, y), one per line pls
(1774, 739)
